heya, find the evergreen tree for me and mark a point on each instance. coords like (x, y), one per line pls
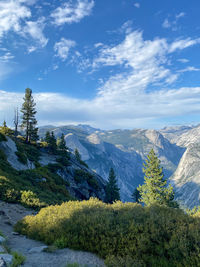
(51, 142)
(77, 155)
(4, 124)
(112, 190)
(61, 144)
(47, 138)
(155, 189)
(136, 195)
(29, 121)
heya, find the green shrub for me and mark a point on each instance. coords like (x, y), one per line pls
(21, 157)
(18, 260)
(63, 161)
(29, 199)
(6, 131)
(2, 137)
(155, 236)
(80, 176)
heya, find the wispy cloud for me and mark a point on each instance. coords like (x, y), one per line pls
(182, 44)
(72, 11)
(15, 16)
(183, 60)
(62, 48)
(12, 14)
(35, 30)
(167, 23)
(189, 68)
(137, 5)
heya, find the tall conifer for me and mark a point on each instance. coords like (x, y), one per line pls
(112, 190)
(29, 121)
(155, 189)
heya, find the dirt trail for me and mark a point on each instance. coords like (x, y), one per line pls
(10, 214)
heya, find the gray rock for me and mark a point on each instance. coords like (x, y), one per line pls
(7, 258)
(37, 249)
(9, 147)
(2, 239)
(2, 263)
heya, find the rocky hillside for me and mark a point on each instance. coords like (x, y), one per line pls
(30, 174)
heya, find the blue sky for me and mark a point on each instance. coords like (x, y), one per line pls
(107, 63)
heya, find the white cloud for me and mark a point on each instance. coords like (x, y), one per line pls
(31, 49)
(12, 14)
(180, 15)
(72, 11)
(182, 44)
(183, 60)
(137, 5)
(35, 30)
(98, 45)
(166, 24)
(125, 99)
(189, 68)
(6, 57)
(173, 23)
(141, 110)
(15, 16)
(62, 48)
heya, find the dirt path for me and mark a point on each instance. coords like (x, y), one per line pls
(10, 214)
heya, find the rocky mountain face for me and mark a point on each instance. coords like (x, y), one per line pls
(186, 178)
(124, 150)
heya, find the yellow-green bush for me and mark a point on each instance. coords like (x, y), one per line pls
(149, 236)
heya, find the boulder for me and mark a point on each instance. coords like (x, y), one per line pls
(37, 249)
(7, 258)
(2, 263)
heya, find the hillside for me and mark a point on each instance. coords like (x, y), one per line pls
(29, 174)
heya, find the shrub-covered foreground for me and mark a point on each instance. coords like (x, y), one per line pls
(126, 234)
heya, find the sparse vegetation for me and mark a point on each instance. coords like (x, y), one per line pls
(18, 259)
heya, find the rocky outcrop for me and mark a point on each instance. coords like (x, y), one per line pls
(10, 149)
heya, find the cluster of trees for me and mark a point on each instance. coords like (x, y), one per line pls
(54, 144)
(154, 190)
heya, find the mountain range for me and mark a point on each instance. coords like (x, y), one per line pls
(178, 149)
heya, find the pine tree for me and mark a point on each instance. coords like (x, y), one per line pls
(29, 121)
(155, 189)
(112, 190)
(136, 195)
(51, 142)
(77, 155)
(61, 144)
(47, 138)
(4, 124)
